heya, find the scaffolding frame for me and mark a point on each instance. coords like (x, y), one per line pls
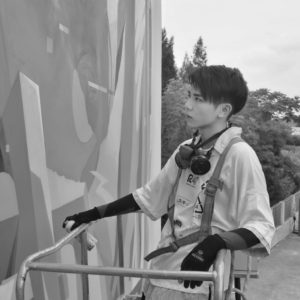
(216, 276)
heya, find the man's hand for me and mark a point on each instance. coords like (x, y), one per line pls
(123, 205)
(82, 217)
(202, 257)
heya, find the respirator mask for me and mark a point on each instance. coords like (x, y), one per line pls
(194, 157)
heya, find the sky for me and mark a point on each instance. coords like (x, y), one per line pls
(259, 37)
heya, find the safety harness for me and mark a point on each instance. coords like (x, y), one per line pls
(213, 184)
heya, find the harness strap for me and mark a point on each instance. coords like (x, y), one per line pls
(176, 244)
(212, 186)
(171, 202)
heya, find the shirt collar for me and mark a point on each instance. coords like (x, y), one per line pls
(226, 137)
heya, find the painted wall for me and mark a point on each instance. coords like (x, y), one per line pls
(79, 127)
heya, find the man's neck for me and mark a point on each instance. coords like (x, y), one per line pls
(207, 132)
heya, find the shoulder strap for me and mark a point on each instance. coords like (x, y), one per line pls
(213, 184)
(171, 201)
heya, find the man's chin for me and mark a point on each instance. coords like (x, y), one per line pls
(198, 128)
(191, 124)
(194, 126)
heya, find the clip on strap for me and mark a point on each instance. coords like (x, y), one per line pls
(174, 246)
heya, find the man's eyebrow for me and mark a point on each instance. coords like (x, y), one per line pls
(196, 94)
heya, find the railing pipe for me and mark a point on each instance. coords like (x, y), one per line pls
(219, 267)
(26, 265)
(84, 261)
(124, 272)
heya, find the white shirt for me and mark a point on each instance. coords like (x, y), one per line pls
(243, 202)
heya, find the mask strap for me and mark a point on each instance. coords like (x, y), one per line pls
(214, 137)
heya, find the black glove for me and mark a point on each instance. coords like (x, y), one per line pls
(82, 217)
(202, 257)
(123, 205)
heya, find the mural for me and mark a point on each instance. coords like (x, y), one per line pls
(79, 121)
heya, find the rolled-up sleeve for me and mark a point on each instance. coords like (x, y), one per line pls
(253, 206)
(153, 196)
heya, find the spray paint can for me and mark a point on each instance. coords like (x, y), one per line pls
(91, 240)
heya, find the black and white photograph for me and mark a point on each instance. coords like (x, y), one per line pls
(149, 150)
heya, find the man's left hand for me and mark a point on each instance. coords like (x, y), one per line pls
(202, 257)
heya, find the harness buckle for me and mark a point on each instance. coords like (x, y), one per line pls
(174, 246)
(211, 189)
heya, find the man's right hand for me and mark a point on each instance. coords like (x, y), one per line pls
(121, 206)
(82, 217)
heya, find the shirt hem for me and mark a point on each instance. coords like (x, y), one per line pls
(165, 285)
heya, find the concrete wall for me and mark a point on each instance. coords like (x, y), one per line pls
(79, 126)
(286, 216)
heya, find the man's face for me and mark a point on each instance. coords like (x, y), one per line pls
(199, 112)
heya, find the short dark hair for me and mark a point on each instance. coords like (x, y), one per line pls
(220, 84)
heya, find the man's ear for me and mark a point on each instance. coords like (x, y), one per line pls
(225, 110)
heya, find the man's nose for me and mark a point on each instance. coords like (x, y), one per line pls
(188, 104)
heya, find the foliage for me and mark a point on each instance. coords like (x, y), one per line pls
(265, 129)
(293, 140)
(293, 153)
(199, 54)
(279, 170)
(174, 128)
(169, 69)
(273, 105)
(186, 68)
(198, 59)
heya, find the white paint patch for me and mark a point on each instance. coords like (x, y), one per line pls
(35, 136)
(97, 87)
(64, 29)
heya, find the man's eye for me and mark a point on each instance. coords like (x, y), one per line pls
(200, 99)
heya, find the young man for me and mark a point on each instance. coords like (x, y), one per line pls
(240, 214)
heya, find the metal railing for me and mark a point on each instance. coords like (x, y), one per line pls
(216, 275)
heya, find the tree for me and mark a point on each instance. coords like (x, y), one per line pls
(169, 69)
(186, 68)
(199, 54)
(174, 128)
(198, 59)
(265, 129)
(274, 105)
(278, 169)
